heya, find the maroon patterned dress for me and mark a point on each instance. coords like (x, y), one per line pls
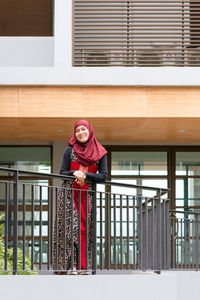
(58, 240)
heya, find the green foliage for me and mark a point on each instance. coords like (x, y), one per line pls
(1, 227)
(10, 258)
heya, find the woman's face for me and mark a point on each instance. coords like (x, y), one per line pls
(82, 134)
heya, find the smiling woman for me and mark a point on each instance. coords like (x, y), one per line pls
(82, 159)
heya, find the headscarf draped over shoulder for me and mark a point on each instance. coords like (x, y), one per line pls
(89, 152)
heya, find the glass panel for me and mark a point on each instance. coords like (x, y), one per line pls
(151, 182)
(188, 163)
(36, 159)
(117, 251)
(36, 251)
(139, 163)
(188, 192)
(158, 183)
(123, 190)
(28, 192)
(28, 223)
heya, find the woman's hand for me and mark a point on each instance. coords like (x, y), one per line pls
(80, 176)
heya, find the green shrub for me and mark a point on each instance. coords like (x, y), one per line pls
(10, 258)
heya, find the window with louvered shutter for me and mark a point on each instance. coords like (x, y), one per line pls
(136, 33)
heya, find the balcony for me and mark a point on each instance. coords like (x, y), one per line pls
(130, 231)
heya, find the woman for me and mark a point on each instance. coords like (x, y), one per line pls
(82, 159)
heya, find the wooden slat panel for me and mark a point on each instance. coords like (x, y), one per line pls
(136, 33)
(78, 102)
(99, 101)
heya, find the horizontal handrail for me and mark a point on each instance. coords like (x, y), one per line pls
(184, 212)
(65, 177)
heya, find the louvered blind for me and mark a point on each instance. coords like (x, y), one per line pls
(136, 33)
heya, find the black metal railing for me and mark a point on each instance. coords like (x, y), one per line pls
(126, 228)
(185, 239)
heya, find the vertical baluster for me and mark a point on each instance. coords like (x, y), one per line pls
(134, 235)
(64, 226)
(79, 229)
(72, 230)
(127, 223)
(121, 235)
(193, 247)
(24, 224)
(32, 227)
(146, 229)
(177, 243)
(164, 235)
(49, 230)
(7, 185)
(101, 234)
(188, 259)
(173, 241)
(168, 235)
(141, 233)
(15, 223)
(94, 234)
(153, 233)
(160, 234)
(40, 233)
(197, 237)
(185, 244)
(56, 221)
(181, 243)
(108, 231)
(114, 217)
(86, 227)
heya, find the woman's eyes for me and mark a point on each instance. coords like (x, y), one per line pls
(82, 129)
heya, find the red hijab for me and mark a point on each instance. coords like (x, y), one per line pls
(89, 152)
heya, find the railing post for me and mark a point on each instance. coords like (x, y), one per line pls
(159, 230)
(197, 240)
(15, 222)
(94, 244)
(167, 224)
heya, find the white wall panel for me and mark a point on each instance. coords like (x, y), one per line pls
(26, 51)
(19, 70)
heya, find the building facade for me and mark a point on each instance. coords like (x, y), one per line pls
(136, 80)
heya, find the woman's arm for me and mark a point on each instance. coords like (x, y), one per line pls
(103, 173)
(66, 163)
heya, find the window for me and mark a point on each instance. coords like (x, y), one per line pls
(188, 180)
(176, 168)
(136, 33)
(36, 159)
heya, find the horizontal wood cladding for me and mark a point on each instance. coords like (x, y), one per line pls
(99, 102)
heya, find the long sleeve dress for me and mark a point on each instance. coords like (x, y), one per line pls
(70, 190)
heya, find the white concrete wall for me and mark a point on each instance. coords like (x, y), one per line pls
(26, 51)
(167, 286)
(62, 73)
